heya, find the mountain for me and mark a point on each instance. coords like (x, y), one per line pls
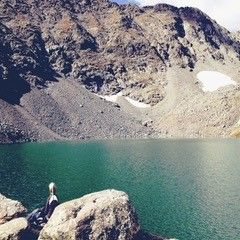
(58, 57)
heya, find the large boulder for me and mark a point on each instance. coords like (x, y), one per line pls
(102, 215)
(10, 209)
(16, 229)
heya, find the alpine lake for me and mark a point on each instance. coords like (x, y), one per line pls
(183, 189)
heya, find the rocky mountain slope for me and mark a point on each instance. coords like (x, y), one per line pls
(58, 56)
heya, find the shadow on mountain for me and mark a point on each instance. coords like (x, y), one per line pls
(15, 84)
(13, 88)
(24, 64)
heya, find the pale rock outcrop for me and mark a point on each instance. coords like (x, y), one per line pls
(10, 209)
(16, 229)
(102, 215)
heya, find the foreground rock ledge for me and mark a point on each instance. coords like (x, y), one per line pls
(16, 229)
(10, 209)
(102, 215)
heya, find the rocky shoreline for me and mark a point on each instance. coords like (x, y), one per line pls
(106, 215)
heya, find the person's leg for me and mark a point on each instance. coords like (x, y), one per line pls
(32, 216)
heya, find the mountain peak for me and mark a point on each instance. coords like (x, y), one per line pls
(162, 7)
(21, 6)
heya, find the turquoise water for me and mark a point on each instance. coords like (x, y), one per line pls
(187, 189)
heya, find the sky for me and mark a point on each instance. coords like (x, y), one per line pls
(225, 12)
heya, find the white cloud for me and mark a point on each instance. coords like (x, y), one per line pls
(225, 12)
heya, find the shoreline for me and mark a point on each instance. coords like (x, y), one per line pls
(80, 141)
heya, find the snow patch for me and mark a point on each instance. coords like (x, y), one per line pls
(111, 98)
(137, 103)
(114, 98)
(212, 80)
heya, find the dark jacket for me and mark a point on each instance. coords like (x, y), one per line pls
(51, 204)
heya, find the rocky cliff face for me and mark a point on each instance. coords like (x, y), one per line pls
(106, 48)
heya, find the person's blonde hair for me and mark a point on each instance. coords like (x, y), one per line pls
(52, 188)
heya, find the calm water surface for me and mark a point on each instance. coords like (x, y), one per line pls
(187, 189)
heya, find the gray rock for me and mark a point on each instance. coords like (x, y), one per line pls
(10, 209)
(102, 215)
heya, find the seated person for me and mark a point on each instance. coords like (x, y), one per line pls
(39, 217)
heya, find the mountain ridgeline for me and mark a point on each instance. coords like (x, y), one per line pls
(56, 55)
